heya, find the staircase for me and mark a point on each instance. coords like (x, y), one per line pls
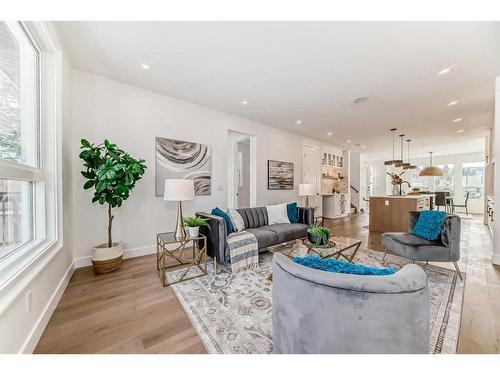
(354, 208)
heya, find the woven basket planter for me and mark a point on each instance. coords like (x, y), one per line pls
(107, 259)
(105, 266)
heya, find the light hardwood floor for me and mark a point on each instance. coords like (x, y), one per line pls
(128, 311)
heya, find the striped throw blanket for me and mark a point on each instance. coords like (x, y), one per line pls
(243, 251)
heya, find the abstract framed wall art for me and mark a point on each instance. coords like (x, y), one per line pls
(279, 175)
(183, 160)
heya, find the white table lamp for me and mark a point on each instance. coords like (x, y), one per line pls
(305, 190)
(178, 191)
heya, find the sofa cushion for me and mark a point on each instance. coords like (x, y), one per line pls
(229, 224)
(288, 232)
(264, 237)
(277, 214)
(410, 239)
(254, 217)
(416, 248)
(238, 223)
(291, 209)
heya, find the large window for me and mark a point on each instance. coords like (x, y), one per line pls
(473, 179)
(20, 170)
(417, 181)
(446, 181)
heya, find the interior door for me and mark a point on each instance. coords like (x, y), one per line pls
(311, 173)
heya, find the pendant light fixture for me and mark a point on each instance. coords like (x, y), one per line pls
(399, 163)
(408, 165)
(431, 170)
(393, 161)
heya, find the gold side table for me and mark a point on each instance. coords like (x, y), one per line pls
(199, 252)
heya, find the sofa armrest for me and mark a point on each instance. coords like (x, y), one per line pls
(216, 234)
(305, 215)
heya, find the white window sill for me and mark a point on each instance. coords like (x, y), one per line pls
(23, 265)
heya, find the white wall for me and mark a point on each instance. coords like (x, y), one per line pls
(355, 178)
(132, 117)
(380, 178)
(46, 276)
(495, 256)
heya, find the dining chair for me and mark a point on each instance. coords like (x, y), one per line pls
(442, 199)
(462, 205)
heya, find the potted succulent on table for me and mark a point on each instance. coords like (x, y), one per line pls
(193, 225)
(318, 235)
(112, 173)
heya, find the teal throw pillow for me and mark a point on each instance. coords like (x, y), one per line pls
(429, 224)
(291, 210)
(229, 224)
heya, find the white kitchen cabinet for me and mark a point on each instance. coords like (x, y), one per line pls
(336, 205)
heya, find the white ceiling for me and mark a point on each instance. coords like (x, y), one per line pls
(311, 71)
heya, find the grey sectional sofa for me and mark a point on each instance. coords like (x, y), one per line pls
(257, 222)
(324, 312)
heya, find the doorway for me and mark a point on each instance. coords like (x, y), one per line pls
(242, 192)
(242, 173)
(311, 174)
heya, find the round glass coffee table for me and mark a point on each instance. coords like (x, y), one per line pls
(338, 247)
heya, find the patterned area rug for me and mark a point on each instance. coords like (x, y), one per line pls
(233, 313)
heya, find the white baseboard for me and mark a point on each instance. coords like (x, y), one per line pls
(37, 331)
(129, 253)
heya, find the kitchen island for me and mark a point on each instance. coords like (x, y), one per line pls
(390, 213)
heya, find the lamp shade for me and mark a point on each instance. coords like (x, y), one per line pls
(431, 171)
(306, 189)
(178, 190)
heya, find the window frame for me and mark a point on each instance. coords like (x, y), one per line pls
(47, 186)
(440, 178)
(464, 187)
(20, 171)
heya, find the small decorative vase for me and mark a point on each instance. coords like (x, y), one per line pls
(395, 190)
(193, 231)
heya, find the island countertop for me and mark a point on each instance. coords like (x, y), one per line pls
(411, 196)
(389, 213)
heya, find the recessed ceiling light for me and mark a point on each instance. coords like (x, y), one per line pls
(460, 130)
(244, 102)
(329, 133)
(363, 146)
(444, 71)
(360, 99)
(457, 120)
(348, 141)
(144, 66)
(299, 122)
(453, 102)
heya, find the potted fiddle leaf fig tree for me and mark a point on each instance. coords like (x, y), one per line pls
(112, 174)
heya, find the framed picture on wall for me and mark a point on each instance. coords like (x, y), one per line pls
(185, 160)
(279, 175)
